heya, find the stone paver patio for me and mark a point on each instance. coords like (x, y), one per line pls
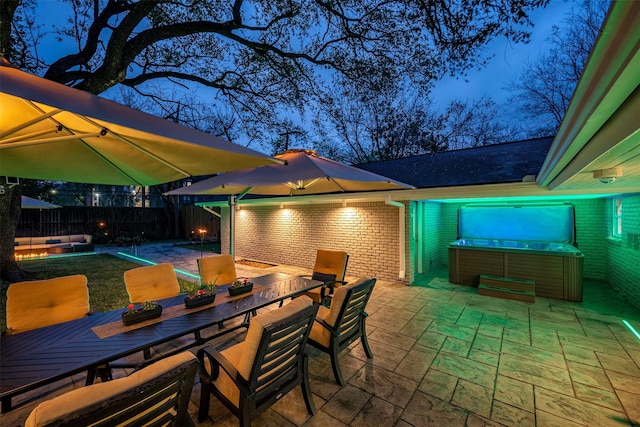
(446, 356)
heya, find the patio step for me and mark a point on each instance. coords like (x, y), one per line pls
(507, 288)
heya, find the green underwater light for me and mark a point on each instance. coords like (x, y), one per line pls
(186, 273)
(632, 329)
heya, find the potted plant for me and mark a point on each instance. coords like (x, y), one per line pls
(200, 295)
(240, 287)
(147, 310)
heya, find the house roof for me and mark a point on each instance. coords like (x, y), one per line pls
(490, 164)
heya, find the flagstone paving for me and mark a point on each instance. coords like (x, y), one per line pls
(446, 356)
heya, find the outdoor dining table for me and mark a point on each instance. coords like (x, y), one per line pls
(35, 358)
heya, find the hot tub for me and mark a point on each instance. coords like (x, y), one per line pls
(556, 268)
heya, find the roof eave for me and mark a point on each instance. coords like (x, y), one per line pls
(608, 80)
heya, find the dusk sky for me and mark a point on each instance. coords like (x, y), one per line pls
(492, 80)
(508, 60)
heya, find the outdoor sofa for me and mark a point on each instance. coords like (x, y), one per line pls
(55, 244)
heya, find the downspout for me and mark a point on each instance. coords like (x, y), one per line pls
(232, 224)
(402, 235)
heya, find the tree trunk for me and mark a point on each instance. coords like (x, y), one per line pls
(10, 206)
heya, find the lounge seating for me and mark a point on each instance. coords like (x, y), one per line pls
(39, 303)
(55, 244)
(330, 268)
(151, 283)
(220, 269)
(155, 395)
(251, 376)
(337, 327)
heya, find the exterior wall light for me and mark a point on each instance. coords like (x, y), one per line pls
(607, 176)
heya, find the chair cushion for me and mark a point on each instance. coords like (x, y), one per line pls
(39, 303)
(331, 262)
(80, 398)
(319, 333)
(220, 269)
(323, 277)
(151, 283)
(224, 383)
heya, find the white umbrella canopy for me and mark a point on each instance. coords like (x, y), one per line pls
(54, 132)
(31, 203)
(304, 173)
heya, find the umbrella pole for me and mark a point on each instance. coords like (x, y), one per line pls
(232, 224)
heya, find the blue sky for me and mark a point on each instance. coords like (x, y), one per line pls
(508, 60)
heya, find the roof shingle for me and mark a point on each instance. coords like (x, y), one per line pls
(490, 164)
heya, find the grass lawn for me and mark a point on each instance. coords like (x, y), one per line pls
(104, 275)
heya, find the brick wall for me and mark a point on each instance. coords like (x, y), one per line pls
(623, 256)
(449, 229)
(367, 231)
(591, 234)
(432, 235)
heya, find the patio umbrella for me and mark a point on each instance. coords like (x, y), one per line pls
(54, 132)
(304, 173)
(31, 203)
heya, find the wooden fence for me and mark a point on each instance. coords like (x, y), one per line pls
(108, 223)
(194, 218)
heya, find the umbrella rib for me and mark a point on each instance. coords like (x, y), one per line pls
(48, 140)
(30, 122)
(336, 183)
(137, 147)
(80, 137)
(27, 136)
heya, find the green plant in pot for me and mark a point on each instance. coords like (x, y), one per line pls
(199, 295)
(240, 287)
(138, 313)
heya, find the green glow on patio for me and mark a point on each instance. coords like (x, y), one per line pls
(186, 273)
(632, 329)
(137, 258)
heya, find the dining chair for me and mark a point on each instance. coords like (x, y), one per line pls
(219, 269)
(157, 394)
(251, 376)
(151, 283)
(330, 267)
(335, 328)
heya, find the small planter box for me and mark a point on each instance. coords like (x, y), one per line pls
(199, 300)
(141, 316)
(240, 289)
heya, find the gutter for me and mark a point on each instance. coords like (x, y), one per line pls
(402, 235)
